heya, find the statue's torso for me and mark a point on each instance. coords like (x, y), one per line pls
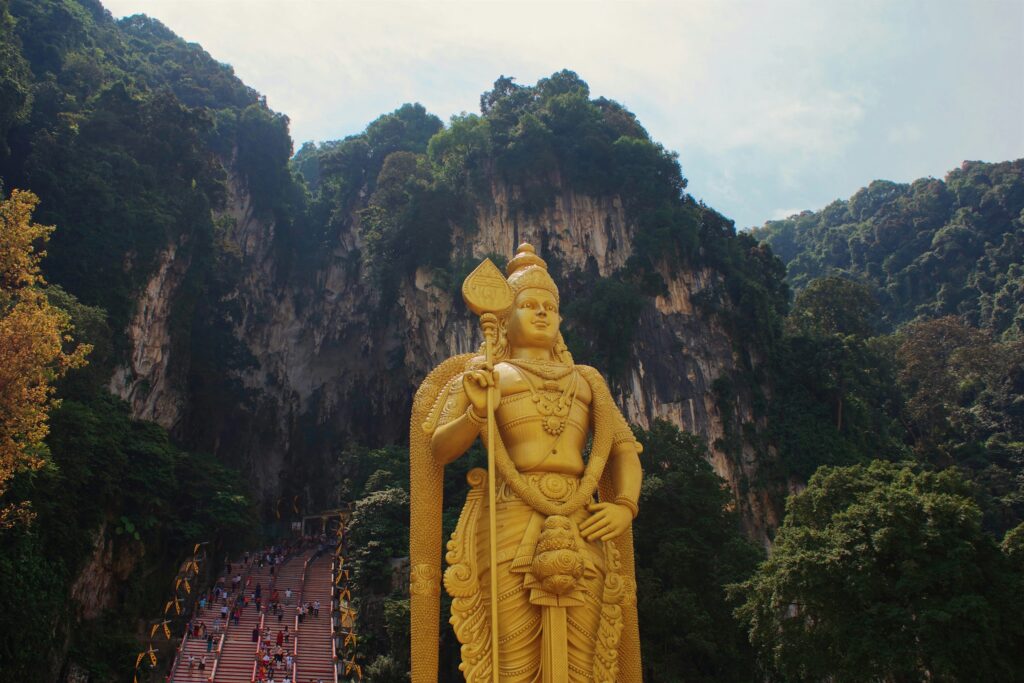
(544, 423)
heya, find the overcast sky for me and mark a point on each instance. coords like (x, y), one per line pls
(773, 107)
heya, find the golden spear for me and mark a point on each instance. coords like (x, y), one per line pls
(486, 293)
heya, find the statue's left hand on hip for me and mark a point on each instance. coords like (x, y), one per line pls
(606, 522)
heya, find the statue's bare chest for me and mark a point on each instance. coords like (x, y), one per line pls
(538, 410)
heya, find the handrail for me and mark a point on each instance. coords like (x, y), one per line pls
(177, 653)
(302, 583)
(213, 669)
(252, 679)
(260, 638)
(299, 604)
(227, 626)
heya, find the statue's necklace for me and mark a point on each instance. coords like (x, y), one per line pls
(552, 402)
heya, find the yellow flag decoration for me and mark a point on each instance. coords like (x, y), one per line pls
(188, 588)
(167, 630)
(195, 551)
(152, 656)
(152, 631)
(138, 660)
(167, 607)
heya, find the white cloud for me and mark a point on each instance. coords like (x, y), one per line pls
(779, 214)
(905, 133)
(768, 104)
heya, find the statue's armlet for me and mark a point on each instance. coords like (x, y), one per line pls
(455, 401)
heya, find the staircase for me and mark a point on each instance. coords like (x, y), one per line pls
(196, 648)
(233, 655)
(238, 652)
(315, 659)
(289, 577)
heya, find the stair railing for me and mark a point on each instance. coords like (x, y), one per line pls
(213, 669)
(231, 610)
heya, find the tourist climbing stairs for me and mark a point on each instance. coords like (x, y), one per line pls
(315, 655)
(239, 651)
(195, 656)
(243, 652)
(288, 586)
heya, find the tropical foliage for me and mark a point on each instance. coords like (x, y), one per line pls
(881, 572)
(930, 248)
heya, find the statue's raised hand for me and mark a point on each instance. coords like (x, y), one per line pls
(476, 382)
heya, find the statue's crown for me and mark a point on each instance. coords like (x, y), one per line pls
(527, 270)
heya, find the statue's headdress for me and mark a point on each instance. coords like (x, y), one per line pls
(527, 270)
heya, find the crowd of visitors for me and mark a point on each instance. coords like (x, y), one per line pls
(235, 592)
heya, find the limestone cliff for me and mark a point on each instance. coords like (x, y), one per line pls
(326, 365)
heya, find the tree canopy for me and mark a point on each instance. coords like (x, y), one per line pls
(881, 572)
(929, 248)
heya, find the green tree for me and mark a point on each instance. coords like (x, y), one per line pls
(963, 391)
(378, 531)
(688, 547)
(929, 248)
(15, 80)
(834, 306)
(835, 400)
(883, 573)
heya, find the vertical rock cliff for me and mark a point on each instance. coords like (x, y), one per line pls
(326, 365)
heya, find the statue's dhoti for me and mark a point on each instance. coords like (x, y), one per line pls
(555, 590)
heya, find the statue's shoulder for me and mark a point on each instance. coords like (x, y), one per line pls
(432, 394)
(591, 375)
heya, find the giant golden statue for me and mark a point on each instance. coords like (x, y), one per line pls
(559, 532)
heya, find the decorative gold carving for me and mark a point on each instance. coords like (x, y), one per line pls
(424, 580)
(557, 564)
(485, 290)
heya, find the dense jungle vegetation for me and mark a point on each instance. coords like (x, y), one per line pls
(926, 249)
(891, 384)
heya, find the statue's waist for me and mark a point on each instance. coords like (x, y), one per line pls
(555, 486)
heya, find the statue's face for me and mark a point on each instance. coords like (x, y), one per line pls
(534, 320)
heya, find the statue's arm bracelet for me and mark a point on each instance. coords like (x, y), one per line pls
(627, 503)
(473, 417)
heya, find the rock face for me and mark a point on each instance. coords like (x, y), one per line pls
(326, 365)
(146, 382)
(109, 565)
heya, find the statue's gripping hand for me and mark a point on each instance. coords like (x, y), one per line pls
(476, 383)
(607, 521)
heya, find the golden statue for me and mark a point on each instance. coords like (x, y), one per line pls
(563, 597)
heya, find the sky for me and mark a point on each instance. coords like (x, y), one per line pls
(774, 107)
